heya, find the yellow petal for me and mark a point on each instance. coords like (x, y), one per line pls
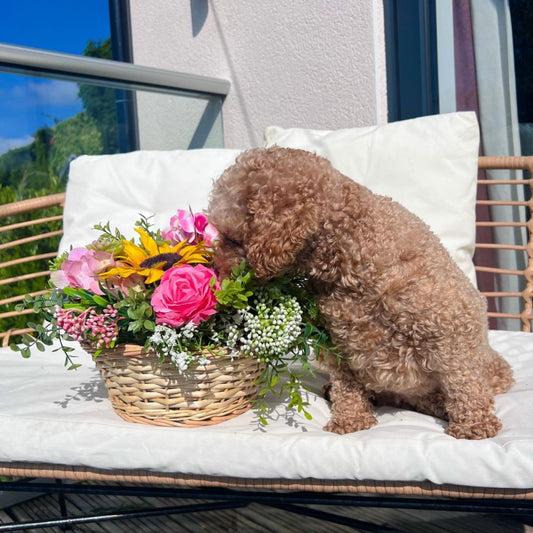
(166, 248)
(192, 253)
(177, 247)
(123, 272)
(148, 242)
(133, 253)
(153, 275)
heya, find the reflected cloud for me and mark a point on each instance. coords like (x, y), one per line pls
(9, 144)
(46, 93)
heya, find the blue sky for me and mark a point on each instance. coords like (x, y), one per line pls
(28, 103)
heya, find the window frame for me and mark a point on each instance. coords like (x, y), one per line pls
(411, 57)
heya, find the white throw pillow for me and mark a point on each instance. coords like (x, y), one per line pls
(119, 188)
(427, 164)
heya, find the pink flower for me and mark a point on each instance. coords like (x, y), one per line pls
(80, 270)
(100, 328)
(193, 227)
(116, 284)
(184, 295)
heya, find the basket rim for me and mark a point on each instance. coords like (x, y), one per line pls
(139, 351)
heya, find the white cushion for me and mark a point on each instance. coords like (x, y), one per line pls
(118, 188)
(50, 415)
(427, 164)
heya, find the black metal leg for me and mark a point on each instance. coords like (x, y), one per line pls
(62, 506)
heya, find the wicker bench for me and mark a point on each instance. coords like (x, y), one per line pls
(367, 492)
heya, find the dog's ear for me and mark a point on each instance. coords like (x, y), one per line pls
(282, 216)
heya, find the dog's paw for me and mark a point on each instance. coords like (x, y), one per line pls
(480, 430)
(350, 426)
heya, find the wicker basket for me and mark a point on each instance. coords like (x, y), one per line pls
(143, 389)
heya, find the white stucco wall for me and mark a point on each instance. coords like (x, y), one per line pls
(305, 63)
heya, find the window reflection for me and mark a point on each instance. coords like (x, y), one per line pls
(47, 122)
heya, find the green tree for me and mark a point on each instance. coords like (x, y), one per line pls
(29, 249)
(41, 148)
(74, 136)
(99, 102)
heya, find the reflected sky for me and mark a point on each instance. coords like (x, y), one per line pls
(27, 103)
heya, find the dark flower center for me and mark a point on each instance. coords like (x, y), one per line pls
(168, 260)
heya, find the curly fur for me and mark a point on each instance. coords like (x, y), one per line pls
(411, 326)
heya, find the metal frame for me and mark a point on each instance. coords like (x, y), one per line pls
(26, 60)
(293, 502)
(122, 50)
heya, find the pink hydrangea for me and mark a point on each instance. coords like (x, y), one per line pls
(80, 270)
(184, 295)
(193, 227)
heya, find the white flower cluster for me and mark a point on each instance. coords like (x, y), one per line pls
(268, 329)
(169, 342)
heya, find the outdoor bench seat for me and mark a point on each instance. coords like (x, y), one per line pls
(57, 424)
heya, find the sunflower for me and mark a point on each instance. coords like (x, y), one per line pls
(151, 259)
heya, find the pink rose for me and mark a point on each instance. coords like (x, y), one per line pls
(193, 227)
(80, 270)
(184, 295)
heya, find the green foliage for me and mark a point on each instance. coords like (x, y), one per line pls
(27, 167)
(46, 332)
(109, 240)
(235, 291)
(29, 249)
(145, 224)
(137, 318)
(74, 136)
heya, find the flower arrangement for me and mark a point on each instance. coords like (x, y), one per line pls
(160, 290)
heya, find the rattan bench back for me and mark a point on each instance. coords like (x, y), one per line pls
(513, 214)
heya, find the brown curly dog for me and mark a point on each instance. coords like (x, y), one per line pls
(410, 325)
